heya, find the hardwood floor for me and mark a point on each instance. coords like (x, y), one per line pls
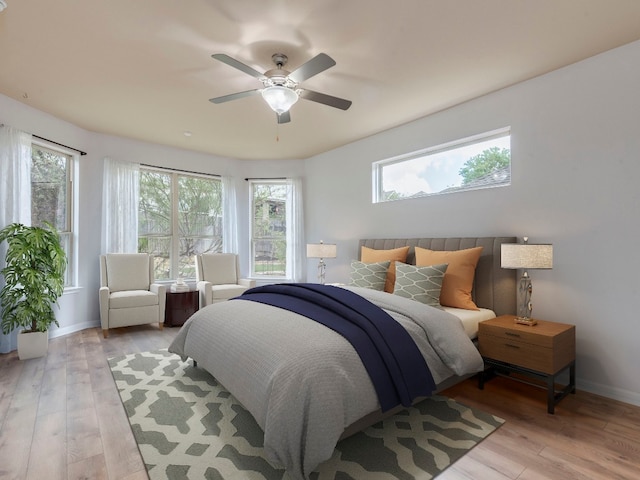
(61, 415)
(588, 437)
(61, 418)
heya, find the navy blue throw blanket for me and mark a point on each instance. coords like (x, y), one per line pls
(389, 354)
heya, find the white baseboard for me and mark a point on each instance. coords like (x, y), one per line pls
(619, 394)
(59, 332)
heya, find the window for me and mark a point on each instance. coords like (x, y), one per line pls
(269, 228)
(52, 196)
(481, 161)
(179, 216)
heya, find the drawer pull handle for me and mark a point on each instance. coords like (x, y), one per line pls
(511, 346)
(510, 334)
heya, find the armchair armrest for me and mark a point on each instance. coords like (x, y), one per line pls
(104, 307)
(161, 291)
(245, 282)
(158, 288)
(204, 288)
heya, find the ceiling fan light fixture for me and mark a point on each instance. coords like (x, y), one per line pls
(279, 98)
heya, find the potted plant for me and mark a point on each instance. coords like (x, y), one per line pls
(34, 279)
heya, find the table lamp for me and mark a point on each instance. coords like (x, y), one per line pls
(321, 250)
(526, 256)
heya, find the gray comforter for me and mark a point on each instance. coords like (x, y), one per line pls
(303, 382)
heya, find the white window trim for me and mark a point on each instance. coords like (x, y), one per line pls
(377, 166)
(252, 274)
(73, 197)
(175, 246)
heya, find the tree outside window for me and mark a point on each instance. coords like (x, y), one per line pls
(268, 229)
(180, 216)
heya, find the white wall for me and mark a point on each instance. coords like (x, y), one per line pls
(575, 176)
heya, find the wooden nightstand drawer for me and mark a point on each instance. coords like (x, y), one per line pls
(519, 353)
(508, 333)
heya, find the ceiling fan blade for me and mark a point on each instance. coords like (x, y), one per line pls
(336, 102)
(284, 117)
(234, 96)
(317, 64)
(232, 62)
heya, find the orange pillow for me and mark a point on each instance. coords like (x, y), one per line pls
(369, 255)
(458, 279)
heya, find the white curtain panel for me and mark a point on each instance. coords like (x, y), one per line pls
(120, 197)
(229, 216)
(295, 230)
(15, 197)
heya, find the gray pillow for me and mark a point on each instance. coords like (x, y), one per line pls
(369, 275)
(422, 284)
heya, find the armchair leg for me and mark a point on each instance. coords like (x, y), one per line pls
(105, 332)
(161, 325)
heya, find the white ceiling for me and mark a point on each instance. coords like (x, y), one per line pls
(143, 68)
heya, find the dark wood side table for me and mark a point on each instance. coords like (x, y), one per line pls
(180, 306)
(541, 351)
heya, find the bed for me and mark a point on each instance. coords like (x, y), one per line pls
(305, 384)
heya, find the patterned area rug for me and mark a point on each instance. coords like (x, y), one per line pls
(188, 426)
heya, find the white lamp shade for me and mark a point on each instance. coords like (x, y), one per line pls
(526, 256)
(280, 98)
(321, 250)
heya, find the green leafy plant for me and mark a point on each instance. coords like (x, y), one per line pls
(34, 276)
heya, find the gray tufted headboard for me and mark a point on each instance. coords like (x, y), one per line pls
(493, 287)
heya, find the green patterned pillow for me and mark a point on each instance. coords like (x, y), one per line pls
(422, 284)
(369, 275)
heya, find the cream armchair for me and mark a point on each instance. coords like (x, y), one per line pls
(217, 276)
(128, 294)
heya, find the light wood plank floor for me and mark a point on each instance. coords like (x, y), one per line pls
(61, 418)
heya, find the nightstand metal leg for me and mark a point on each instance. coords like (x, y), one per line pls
(572, 377)
(551, 394)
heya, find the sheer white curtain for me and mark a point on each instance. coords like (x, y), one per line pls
(295, 230)
(229, 216)
(120, 197)
(15, 197)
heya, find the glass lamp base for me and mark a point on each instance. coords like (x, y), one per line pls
(525, 321)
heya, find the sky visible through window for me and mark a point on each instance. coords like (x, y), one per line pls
(433, 173)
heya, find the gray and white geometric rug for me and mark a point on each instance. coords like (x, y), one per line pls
(189, 427)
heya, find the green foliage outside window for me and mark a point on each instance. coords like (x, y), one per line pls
(269, 229)
(174, 231)
(485, 163)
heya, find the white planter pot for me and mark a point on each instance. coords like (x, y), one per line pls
(32, 344)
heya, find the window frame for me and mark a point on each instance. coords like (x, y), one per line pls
(378, 166)
(252, 238)
(68, 236)
(174, 233)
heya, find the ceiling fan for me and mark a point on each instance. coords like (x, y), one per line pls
(281, 87)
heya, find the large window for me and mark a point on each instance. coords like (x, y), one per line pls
(481, 161)
(269, 228)
(180, 215)
(52, 196)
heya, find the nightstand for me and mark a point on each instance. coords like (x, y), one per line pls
(180, 306)
(542, 351)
